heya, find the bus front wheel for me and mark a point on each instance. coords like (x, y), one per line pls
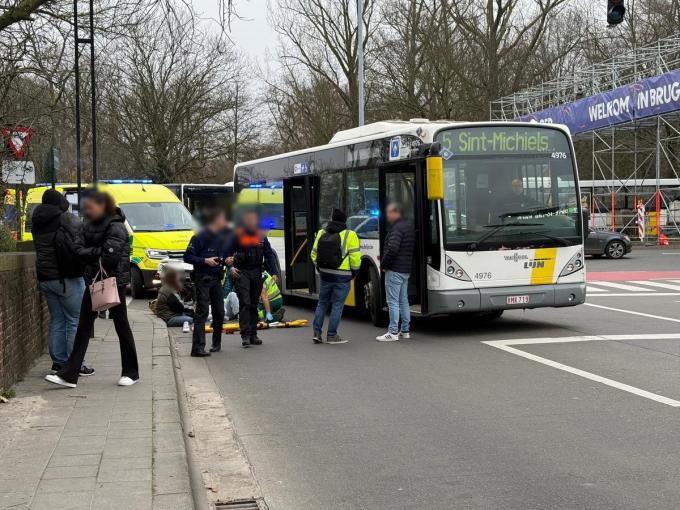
(373, 298)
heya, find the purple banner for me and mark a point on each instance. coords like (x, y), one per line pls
(645, 98)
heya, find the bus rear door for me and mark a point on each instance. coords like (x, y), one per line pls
(299, 199)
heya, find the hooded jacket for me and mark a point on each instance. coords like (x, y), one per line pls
(109, 240)
(47, 219)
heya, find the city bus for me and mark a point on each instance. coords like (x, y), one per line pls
(504, 231)
(198, 197)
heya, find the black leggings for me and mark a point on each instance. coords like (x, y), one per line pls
(128, 354)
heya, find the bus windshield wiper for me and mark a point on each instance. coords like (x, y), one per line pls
(530, 212)
(561, 240)
(498, 228)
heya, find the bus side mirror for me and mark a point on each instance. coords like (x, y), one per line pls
(435, 177)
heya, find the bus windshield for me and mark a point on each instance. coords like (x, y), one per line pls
(158, 216)
(509, 187)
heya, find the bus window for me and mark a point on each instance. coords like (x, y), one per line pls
(363, 207)
(330, 196)
(400, 188)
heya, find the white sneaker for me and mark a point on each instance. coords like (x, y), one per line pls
(54, 378)
(405, 335)
(387, 337)
(126, 381)
(185, 327)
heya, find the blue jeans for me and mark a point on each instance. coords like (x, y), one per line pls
(63, 302)
(396, 289)
(333, 294)
(179, 320)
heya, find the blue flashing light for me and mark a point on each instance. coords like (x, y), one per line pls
(268, 223)
(256, 186)
(375, 212)
(128, 181)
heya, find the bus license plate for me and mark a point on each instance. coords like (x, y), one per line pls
(518, 300)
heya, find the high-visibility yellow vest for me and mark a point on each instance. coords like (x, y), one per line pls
(350, 250)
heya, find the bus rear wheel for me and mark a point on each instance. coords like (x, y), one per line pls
(373, 298)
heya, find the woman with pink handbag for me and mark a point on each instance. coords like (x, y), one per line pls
(104, 248)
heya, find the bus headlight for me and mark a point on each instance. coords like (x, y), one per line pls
(156, 254)
(455, 271)
(574, 264)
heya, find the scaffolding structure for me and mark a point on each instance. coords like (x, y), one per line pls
(627, 164)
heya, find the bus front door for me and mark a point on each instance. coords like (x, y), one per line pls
(299, 200)
(404, 184)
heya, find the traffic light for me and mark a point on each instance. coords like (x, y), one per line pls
(615, 12)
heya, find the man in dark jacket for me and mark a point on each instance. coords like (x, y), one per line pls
(206, 252)
(60, 273)
(249, 253)
(396, 262)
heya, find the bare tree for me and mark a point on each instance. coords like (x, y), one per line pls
(319, 40)
(170, 97)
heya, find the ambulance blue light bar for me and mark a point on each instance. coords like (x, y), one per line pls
(127, 181)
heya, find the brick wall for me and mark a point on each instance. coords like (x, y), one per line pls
(23, 316)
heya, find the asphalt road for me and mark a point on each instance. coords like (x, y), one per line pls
(445, 421)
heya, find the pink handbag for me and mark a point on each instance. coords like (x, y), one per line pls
(104, 291)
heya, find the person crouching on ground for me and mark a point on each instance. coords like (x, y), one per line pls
(249, 253)
(337, 256)
(169, 305)
(270, 308)
(396, 262)
(103, 243)
(60, 274)
(206, 253)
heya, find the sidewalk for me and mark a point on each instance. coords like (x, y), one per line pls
(99, 446)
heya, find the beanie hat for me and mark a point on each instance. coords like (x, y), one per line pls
(53, 197)
(338, 215)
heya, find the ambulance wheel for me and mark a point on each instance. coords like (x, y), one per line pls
(136, 283)
(373, 298)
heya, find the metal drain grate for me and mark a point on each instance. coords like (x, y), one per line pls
(244, 504)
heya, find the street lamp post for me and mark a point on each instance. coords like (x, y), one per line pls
(78, 41)
(360, 59)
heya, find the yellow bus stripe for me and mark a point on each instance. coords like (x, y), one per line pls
(544, 269)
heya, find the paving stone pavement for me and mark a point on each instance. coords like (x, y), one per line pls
(99, 446)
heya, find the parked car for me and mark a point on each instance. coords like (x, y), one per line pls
(605, 242)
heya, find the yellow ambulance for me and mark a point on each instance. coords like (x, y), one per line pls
(160, 226)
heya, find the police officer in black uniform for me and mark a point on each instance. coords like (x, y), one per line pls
(206, 252)
(249, 253)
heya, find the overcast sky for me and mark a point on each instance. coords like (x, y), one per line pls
(252, 34)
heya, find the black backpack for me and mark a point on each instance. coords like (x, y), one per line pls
(70, 265)
(328, 251)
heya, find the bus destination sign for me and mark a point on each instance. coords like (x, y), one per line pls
(502, 140)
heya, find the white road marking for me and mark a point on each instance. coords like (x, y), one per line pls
(590, 288)
(632, 312)
(128, 300)
(661, 285)
(622, 286)
(636, 294)
(506, 345)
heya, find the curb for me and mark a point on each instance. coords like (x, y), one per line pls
(195, 476)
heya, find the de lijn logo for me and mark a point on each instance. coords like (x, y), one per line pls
(535, 264)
